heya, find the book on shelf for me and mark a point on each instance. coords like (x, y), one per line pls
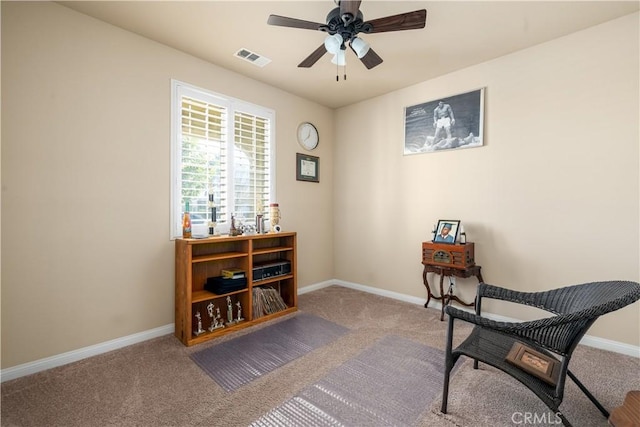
(232, 273)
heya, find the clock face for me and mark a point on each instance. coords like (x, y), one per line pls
(308, 136)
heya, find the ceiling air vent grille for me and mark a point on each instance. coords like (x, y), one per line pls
(254, 58)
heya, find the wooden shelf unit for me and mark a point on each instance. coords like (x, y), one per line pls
(198, 259)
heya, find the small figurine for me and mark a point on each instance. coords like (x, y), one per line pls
(233, 230)
(199, 330)
(219, 321)
(239, 312)
(214, 318)
(229, 311)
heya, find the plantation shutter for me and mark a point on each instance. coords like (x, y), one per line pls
(204, 156)
(251, 174)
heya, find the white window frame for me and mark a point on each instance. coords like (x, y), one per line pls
(180, 89)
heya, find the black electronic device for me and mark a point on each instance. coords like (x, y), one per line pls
(268, 269)
(221, 285)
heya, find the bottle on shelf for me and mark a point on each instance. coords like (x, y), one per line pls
(463, 236)
(186, 223)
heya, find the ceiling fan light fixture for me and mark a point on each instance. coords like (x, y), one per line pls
(333, 43)
(339, 58)
(360, 47)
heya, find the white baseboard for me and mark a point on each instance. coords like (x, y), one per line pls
(83, 353)
(94, 350)
(316, 286)
(588, 340)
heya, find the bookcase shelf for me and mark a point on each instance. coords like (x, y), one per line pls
(220, 256)
(199, 259)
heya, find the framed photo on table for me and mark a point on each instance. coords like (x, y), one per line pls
(307, 168)
(447, 231)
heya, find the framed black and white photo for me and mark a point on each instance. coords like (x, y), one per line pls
(446, 123)
(307, 168)
(447, 231)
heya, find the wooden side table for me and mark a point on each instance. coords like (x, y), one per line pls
(446, 298)
(448, 260)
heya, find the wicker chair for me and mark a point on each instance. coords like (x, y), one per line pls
(575, 308)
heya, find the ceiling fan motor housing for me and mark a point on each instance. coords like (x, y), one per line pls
(347, 26)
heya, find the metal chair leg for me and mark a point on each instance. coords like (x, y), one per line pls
(588, 394)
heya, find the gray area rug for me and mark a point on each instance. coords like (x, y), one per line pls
(243, 359)
(391, 383)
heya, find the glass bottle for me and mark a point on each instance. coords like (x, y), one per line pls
(186, 223)
(463, 236)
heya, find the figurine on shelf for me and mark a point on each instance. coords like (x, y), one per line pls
(210, 311)
(233, 230)
(199, 330)
(229, 311)
(219, 321)
(239, 318)
(214, 317)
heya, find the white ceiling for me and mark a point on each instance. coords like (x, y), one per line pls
(457, 35)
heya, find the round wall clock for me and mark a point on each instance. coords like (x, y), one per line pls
(308, 136)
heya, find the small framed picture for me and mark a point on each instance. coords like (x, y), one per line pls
(545, 367)
(447, 231)
(307, 168)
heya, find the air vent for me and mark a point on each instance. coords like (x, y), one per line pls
(252, 57)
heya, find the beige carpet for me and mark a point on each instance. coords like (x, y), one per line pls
(156, 384)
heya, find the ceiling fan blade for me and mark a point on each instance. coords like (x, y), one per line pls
(404, 21)
(283, 21)
(371, 59)
(349, 7)
(313, 58)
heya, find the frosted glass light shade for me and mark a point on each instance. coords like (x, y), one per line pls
(333, 43)
(339, 58)
(360, 47)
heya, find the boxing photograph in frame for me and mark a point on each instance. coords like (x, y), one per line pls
(446, 123)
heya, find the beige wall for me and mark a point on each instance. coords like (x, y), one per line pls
(85, 179)
(550, 200)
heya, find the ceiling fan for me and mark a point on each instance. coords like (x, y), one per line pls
(344, 23)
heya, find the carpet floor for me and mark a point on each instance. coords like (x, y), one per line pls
(155, 383)
(241, 360)
(390, 383)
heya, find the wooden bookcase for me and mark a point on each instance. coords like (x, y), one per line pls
(198, 259)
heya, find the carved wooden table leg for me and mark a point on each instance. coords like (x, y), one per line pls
(425, 281)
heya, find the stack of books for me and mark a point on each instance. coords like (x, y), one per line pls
(266, 300)
(233, 273)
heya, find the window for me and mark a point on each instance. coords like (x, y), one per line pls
(221, 147)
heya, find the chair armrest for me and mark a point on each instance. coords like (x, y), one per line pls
(534, 299)
(496, 292)
(475, 319)
(540, 331)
